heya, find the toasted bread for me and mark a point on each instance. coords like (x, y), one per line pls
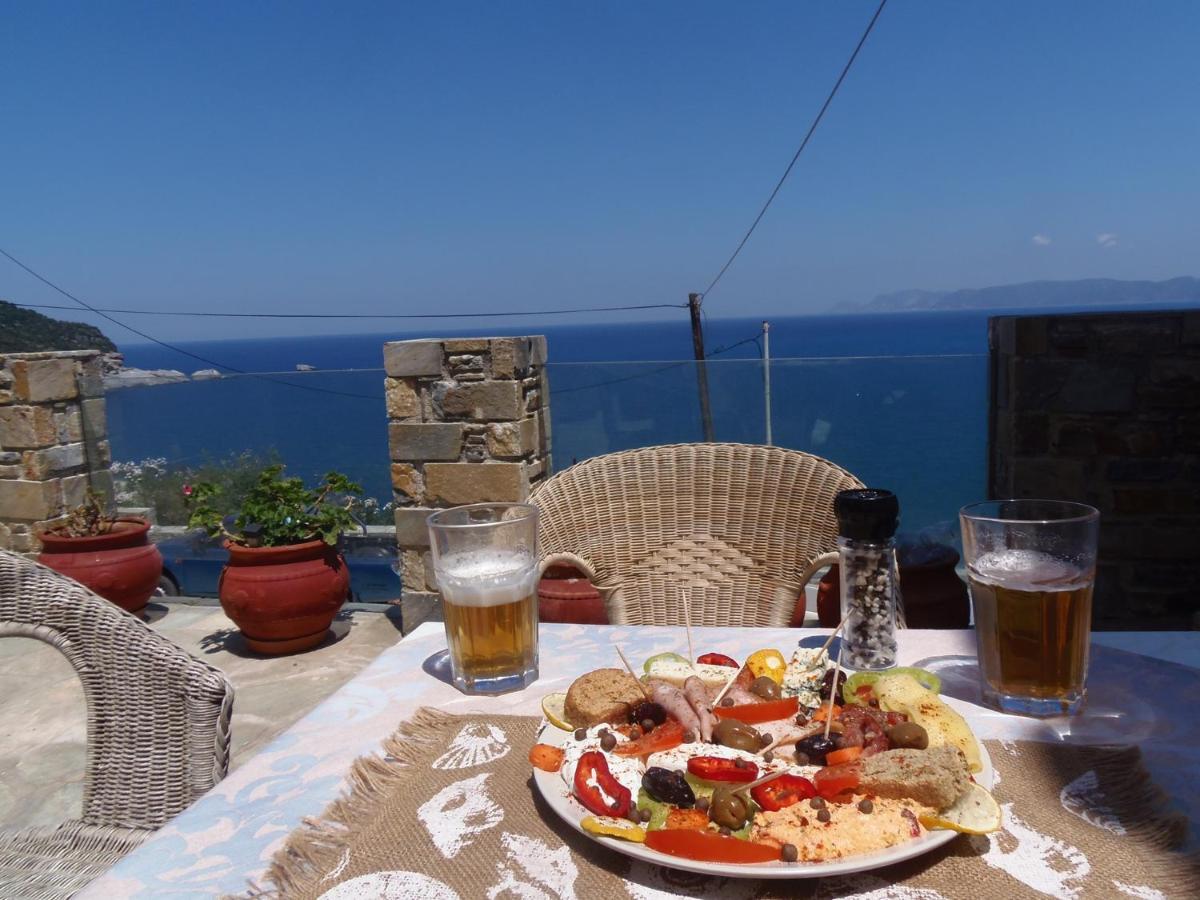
(605, 695)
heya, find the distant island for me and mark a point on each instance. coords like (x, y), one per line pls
(28, 331)
(1086, 292)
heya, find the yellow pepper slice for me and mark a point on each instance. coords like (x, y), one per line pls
(767, 662)
(609, 826)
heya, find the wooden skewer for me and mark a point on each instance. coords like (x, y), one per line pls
(798, 733)
(763, 780)
(825, 646)
(687, 624)
(837, 667)
(728, 685)
(629, 669)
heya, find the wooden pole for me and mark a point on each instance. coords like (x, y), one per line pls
(766, 333)
(706, 422)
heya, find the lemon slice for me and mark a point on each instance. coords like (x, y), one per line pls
(611, 827)
(554, 708)
(975, 812)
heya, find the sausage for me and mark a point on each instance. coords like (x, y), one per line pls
(673, 700)
(697, 695)
(741, 696)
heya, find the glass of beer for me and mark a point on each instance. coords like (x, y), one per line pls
(1031, 566)
(485, 561)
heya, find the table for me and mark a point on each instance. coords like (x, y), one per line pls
(230, 834)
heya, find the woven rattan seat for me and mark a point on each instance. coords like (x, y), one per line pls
(157, 729)
(739, 528)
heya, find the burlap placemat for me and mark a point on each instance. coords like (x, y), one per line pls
(451, 812)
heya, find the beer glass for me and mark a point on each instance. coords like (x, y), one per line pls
(1031, 566)
(485, 561)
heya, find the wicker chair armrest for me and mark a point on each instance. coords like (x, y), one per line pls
(818, 562)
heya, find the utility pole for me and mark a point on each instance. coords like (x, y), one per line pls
(701, 368)
(767, 376)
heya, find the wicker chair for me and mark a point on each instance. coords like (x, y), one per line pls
(157, 729)
(739, 528)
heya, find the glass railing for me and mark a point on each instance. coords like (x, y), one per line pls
(914, 424)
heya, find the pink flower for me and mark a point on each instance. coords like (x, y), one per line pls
(187, 490)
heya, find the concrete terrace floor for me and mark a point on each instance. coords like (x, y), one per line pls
(43, 719)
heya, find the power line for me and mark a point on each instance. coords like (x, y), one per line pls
(804, 143)
(259, 315)
(164, 344)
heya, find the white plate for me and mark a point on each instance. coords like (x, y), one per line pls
(554, 791)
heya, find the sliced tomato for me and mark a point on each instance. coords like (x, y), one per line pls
(833, 780)
(753, 713)
(545, 757)
(782, 792)
(666, 736)
(845, 755)
(709, 847)
(718, 659)
(598, 790)
(717, 768)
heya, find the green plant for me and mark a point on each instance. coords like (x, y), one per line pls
(276, 510)
(89, 519)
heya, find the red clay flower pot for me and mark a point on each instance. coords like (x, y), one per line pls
(283, 598)
(564, 595)
(121, 566)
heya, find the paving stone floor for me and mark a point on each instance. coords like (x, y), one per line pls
(43, 717)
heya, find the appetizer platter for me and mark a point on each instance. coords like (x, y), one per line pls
(766, 768)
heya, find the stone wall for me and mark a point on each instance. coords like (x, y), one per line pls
(53, 440)
(1105, 409)
(468, 422)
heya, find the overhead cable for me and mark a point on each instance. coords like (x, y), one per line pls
(261, 315)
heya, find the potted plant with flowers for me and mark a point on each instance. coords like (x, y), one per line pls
(285, 580)
(110, 555)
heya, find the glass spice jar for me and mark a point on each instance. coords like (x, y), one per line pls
(870, 587)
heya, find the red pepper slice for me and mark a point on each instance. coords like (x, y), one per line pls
(709, 847)
(716, 768)
(666, 736)
(833, 780)
(718, 659)
(753, 713)
(782, 792)
(593, 767)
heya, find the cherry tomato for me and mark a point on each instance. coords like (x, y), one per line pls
(709, 847)
(593, 767)
(664, 737)
(782, 792)
(833, 780)
(752, 713)
(716, 768)
(718, 659)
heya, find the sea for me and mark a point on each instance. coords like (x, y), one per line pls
(900, 400)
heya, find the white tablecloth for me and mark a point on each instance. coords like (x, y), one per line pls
(229, 835)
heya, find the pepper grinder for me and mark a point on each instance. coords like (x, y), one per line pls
(870, 586)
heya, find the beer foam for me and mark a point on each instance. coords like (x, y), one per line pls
(1029, 570)
(486, 579)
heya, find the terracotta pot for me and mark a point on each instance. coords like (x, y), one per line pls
(283, 598)
(934, 595)
(564, 595)
(121, 566)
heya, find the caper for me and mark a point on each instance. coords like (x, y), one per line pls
(728, 809)
(607, 741)
(766, 687)
(908, 735)
(739, 735)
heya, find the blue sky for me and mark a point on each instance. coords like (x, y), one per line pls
(462, 157)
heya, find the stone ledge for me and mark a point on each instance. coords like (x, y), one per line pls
(484, 401)
(415, 441)
(412, 358)
(453, 484)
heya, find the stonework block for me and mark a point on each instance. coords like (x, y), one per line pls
(425, 440)
(91, 379)
(5, 537)
(419, 606)
(29, 501)
(6, 397)
(68, 425)
(74, 490)
(44, 380)
(412, 358)
(456, 483)
(411, 529)
(510, 357)
(412, 571)
(39, 465)
(25, 542)
(27, 427)
(403, 398)
(513, 438)
(407, 481)
(468, 345)
(11, 471)
(538, 353)
(484, 400)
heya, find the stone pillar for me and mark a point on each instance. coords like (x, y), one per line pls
(53, 440)
(468, 422)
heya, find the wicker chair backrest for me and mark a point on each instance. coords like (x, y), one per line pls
(738, 528)
(157, 718)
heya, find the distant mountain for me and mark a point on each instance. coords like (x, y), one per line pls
(1087, 292)
(24, 330)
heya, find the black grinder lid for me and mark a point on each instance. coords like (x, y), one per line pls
(867, 514)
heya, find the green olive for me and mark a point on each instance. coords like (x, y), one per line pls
(766, 687)
(739, 735)
(908, 735)
(728, 809)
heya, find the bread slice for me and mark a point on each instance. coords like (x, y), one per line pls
(604, 695)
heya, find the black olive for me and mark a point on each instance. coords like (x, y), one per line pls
(827, 686)
(815, 747)
(648, 709)
(666, 786)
